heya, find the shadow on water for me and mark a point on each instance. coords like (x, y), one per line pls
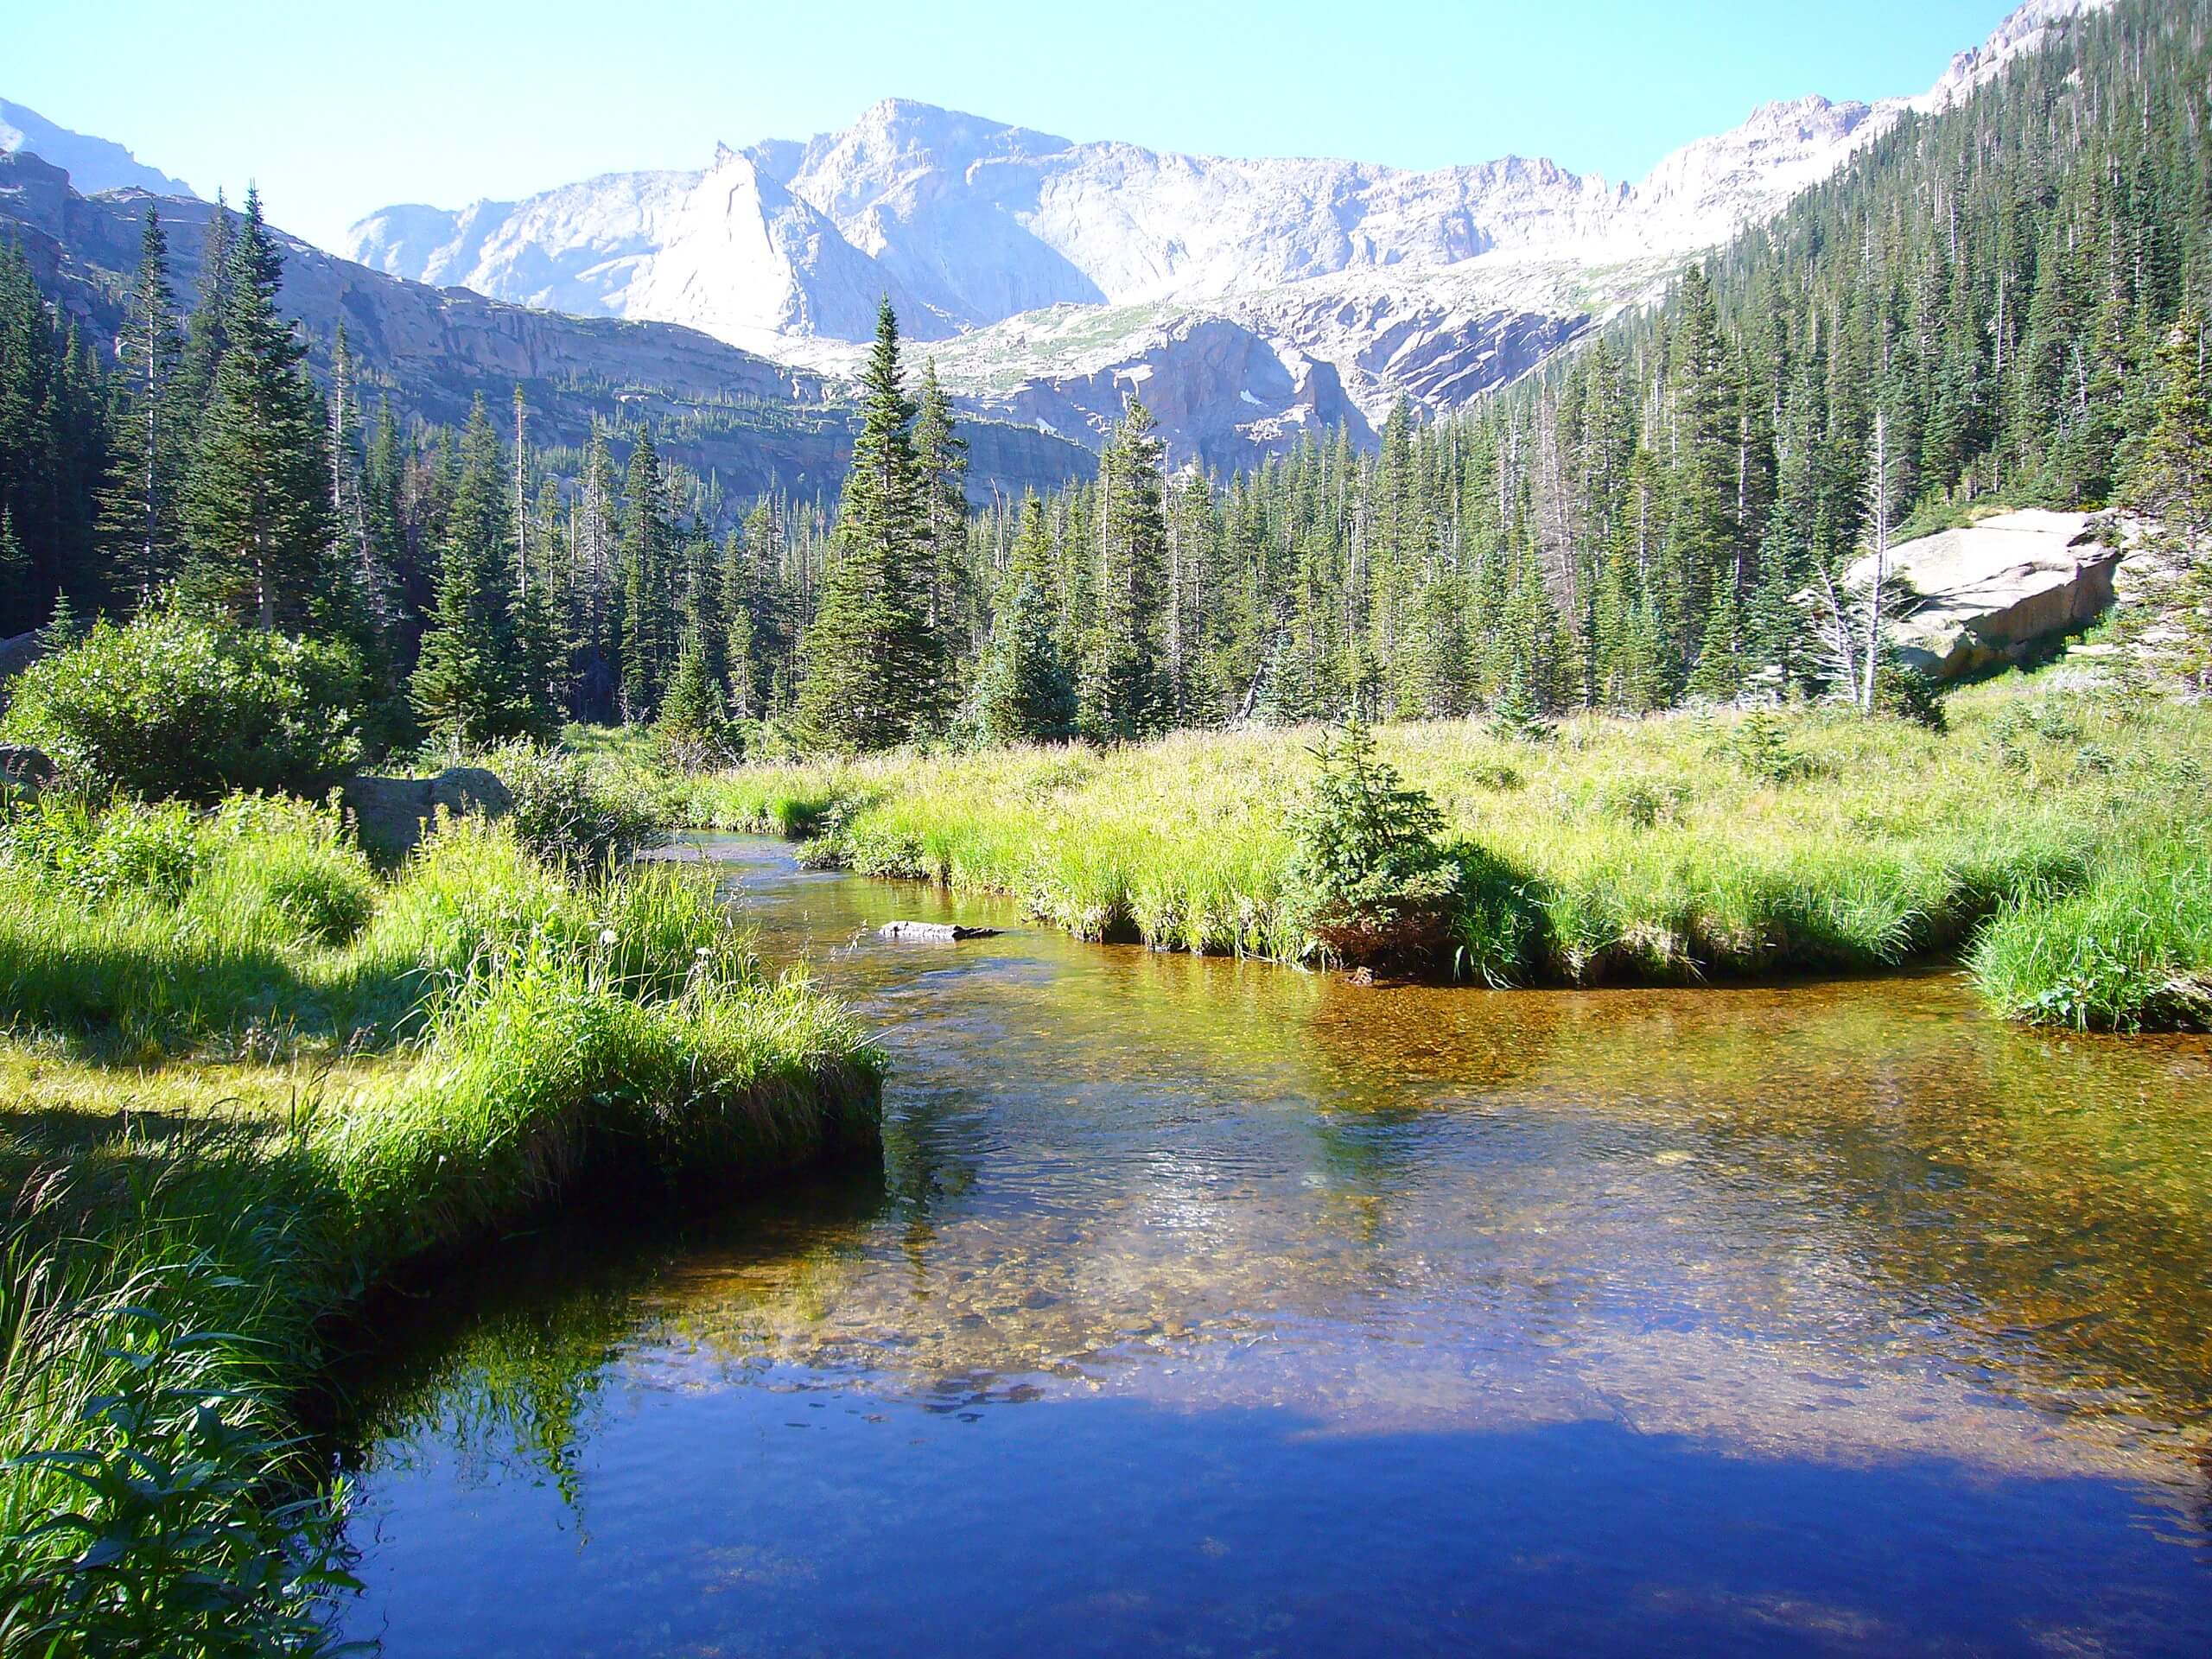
(786, 1518)
(1205, 1303)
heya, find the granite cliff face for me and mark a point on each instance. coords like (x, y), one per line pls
(1250, 300)
(756, 423)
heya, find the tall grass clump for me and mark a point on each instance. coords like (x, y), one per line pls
(153, 1499)
(2130, 951)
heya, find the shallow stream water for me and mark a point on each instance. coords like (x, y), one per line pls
(1214, 1308)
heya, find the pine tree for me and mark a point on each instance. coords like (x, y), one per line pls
(1719, 675)
(468, 682)
(1025, 693)
(207, 336)
(873, 672)
(941, 457)
(63, 629)
(2172, 489)
(53, 451)
(14, 563)
(138, 509)
(256, 500)
(1703, 424)
(1123, 691)
(1882, 458)
(694, 720)
(648, 631)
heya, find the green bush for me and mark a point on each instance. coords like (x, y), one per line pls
(168, 706)
(1907, 694)
(1759, 746)
(573, 812)
(1367, 880)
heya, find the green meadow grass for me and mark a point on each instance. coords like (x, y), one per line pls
(1670, 849)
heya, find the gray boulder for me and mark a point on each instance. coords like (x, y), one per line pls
(24, 767)
(393, 815)
(1989, 595)
(18, 652)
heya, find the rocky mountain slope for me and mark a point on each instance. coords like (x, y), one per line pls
(758, 424)
(95, 163)
(1248, 299)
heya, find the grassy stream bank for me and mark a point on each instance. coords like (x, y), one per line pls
(2053, 838)
(247, 1078)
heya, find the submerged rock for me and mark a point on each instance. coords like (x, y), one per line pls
(1989, 595)
(393, 815)
(942, 933)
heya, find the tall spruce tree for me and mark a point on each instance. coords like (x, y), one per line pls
(941, 458)
(2173, 488)
(205, 336)
(257, 499)
(874, 664)
(647, 560)
(1123, 686)
(1025, 693)
(138, 509)
(469, 684)
(53, 449)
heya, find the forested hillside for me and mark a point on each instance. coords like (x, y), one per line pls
(1982, 307)
(1979, 302)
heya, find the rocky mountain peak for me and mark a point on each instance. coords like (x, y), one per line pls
(1215, 286)
(92, 164)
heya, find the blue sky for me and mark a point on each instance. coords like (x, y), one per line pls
(340, 109)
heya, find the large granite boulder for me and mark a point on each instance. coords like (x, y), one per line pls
(1991, 594)
(393, 815)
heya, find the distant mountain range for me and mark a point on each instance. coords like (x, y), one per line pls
(1247, 302)
(1245, 299)
(757, 425)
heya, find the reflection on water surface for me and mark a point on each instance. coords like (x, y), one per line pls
(1209, 1306)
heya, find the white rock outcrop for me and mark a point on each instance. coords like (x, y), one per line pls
(1992, 593)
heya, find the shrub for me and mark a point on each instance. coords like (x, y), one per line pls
(1638, 801)
(1367, 879)
(1518, 717)
(573, 812)
(1760, 744)
(1907, 694)
(168, 706)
